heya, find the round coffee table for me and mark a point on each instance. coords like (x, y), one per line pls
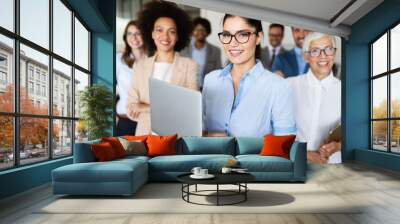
(238, 179)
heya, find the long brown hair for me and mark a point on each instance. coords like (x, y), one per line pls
(126, 55)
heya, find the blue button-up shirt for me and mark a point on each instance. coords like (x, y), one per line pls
(301, 63)
(263, 103)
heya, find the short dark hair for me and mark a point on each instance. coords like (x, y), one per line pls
(156, 9)
(277, 25)
(252, 22)
(204, 22)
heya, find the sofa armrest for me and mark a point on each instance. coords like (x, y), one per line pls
(83, 152)
(298, 155)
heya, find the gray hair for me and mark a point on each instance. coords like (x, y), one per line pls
(315, 36)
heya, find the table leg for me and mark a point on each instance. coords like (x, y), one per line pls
(245, 191)
(217, 194)
(196, 188)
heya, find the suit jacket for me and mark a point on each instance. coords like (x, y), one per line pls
(213, 57)
(184, 73)
(287, 63)
(266, 57)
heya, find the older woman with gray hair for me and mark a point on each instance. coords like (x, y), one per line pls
(318, 100)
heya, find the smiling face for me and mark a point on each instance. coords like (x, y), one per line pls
(165, 34)
(321, 65)
(200, 33)
(240, 53)
(298, 36)
(275, 36)
(134, 37)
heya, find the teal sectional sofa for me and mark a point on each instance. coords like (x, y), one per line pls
(125, 176)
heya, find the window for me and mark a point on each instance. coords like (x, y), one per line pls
(30, 87)
(47, 76)
(7, 14)
(81, 45)
(6, 73)
(3, 78)
(44, 91)
(38, 89)
(30, 72)
(35, 22)
(385, 92)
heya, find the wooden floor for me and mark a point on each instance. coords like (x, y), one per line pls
(377, 188)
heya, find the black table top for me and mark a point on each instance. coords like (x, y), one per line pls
(220, 178)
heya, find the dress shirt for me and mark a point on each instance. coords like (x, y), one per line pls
(124, 77)
(263, 103)
(317, 109)
(300, 60)
(200, 56)
(277, 50)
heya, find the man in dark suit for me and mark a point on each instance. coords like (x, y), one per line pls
(206, 55)
(291, 63)
(269, 53)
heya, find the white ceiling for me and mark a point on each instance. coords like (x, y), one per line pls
(317, 15)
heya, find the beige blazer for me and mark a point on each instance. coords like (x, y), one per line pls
(184, 73)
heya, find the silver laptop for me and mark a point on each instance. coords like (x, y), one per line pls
(174, 109)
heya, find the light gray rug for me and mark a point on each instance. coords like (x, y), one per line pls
(166, 198)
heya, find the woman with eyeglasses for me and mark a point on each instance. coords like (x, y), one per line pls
(166, 30)
(318, 100)
(134, 51)
(244, 98)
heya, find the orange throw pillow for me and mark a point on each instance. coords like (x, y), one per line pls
(103, 151)
(161, 145)
(116, 145)
(136, 138)
(277, 145)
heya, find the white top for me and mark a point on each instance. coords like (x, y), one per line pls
(317, 109)
(124, 77)
(162, 71)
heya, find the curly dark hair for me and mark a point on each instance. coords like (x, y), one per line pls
(204, 22)
(156, 9)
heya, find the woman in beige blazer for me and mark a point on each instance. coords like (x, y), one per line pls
(166, 30)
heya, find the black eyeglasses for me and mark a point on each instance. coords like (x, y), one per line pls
(240, 36)
(315, 52)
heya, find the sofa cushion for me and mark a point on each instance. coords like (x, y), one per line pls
(116, 145)
(185, 163)
(83, 152)
(161, 145)
(103, 152)
(277, 145)
(134, 147)
(249, 145)
(257, 163)
(206, 145)
(112, 171)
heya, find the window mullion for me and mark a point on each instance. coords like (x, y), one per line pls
(50, 81)
(73, 82)
(389, 101)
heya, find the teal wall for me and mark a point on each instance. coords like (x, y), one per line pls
(356, 85)
(24, 178)
(99, 16)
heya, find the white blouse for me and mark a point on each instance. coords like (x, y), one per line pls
(317, 109)
(162, 71)
(124, 77)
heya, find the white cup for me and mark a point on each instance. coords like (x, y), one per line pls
(196, 171)
(203, 172)
(226, 170)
